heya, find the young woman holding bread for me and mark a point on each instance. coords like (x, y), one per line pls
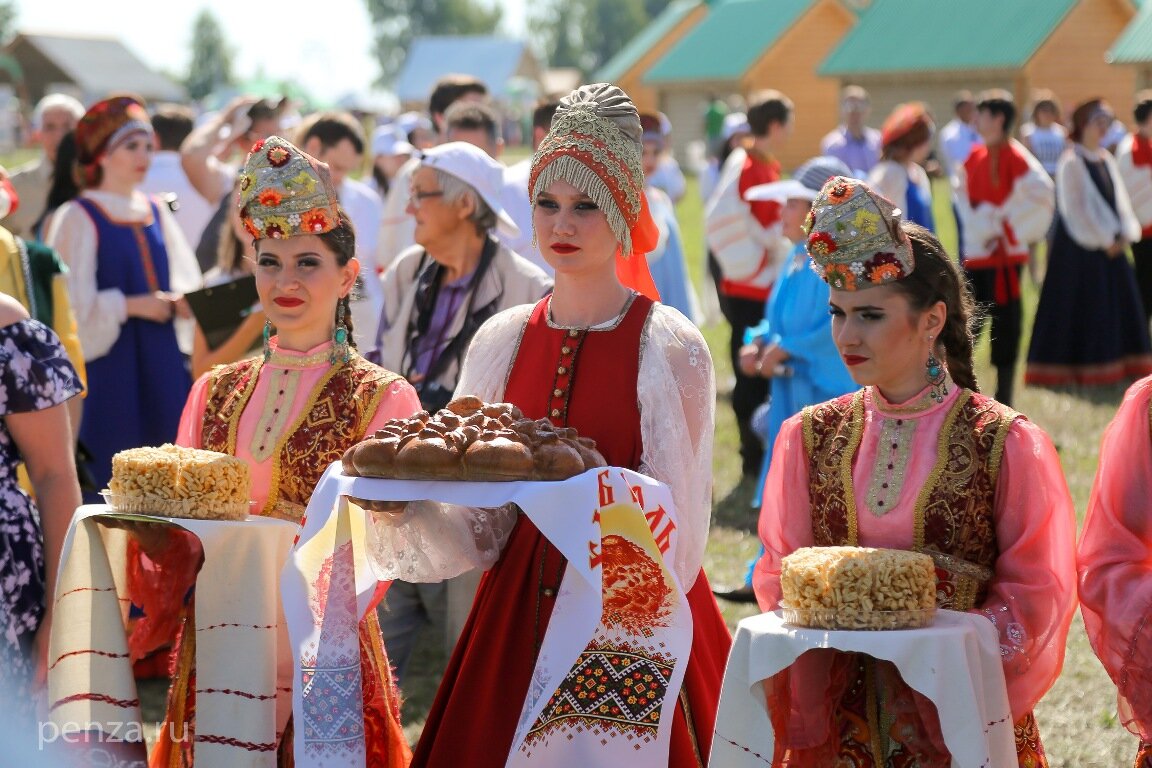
(294, 410)
(916, 460)
(602, 356)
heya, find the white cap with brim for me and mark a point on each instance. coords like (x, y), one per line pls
(780, 192)
(389, 141)
(734, 123)
(474, 167)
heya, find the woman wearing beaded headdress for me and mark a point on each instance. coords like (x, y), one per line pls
(603, 356)
(918, 460)
(128, 265)
(293, 410)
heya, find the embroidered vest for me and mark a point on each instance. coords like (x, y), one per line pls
(335, 416)
(954, 518)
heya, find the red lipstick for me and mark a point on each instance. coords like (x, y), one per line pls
(287, 301)
(564, 248)
(854, 359)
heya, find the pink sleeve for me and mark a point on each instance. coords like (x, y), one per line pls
(785, 517)
(191, 421)
(1032, 595)
(1115, 558)
(399, 402)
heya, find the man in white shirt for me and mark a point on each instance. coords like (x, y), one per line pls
(206, 157)
(959, 135)
(479, 125)
(166, 178)
(337, 138)
(54, 116)
(957, 139)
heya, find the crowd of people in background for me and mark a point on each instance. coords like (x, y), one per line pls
(422, 265)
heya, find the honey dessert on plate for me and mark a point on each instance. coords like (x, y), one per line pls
(173, 481)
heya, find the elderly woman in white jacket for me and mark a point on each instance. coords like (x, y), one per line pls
(1090, 327)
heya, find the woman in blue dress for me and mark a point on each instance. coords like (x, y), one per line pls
(128, 264)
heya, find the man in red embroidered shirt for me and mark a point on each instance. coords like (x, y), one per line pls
(1134, 157)
(745, 239)
(1005, 200)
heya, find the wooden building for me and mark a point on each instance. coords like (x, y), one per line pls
(905, 50)
(89, 68)
(744, 46)
(629, 66)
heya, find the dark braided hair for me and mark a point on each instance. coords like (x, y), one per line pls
(936, 277)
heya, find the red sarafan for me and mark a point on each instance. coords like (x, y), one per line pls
(635, 593)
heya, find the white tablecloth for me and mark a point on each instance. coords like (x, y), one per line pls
(955, 663)
(242, 654)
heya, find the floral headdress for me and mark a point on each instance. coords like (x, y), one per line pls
(285, 192)
(855, 238)
(105, 126)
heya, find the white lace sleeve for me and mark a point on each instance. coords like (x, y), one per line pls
(432, 541)
(677, 394)
(490, 354)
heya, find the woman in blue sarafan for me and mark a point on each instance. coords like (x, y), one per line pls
(128, 265)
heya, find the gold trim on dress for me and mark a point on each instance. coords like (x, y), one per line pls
(937, 472)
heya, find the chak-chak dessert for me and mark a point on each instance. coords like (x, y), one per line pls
(173, 481)
(858, 588)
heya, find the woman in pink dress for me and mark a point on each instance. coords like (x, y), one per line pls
(916, 460)
(294, 410)
(1115, 559)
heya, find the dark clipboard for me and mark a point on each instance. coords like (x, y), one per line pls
(221, 309)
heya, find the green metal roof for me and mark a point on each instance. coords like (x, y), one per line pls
(1134, 46)
(933, 35)
(637, 47)
(728, 41)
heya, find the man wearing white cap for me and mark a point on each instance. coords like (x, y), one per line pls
(436, 295)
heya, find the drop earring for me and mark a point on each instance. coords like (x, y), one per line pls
(339, 353)
(267, 340)
(937, 380)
